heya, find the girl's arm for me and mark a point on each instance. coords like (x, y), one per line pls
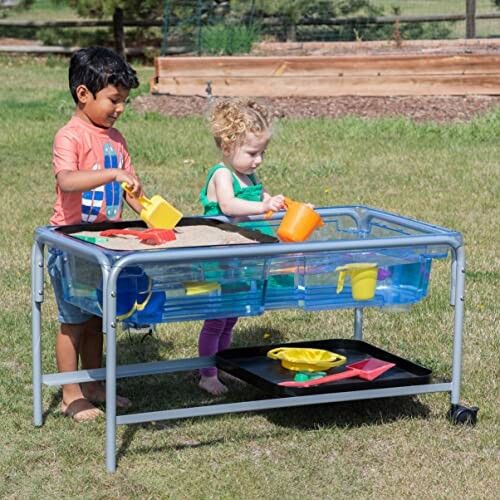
(266, 195)
(234, 207)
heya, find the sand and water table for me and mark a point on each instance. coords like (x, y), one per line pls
(247, 272)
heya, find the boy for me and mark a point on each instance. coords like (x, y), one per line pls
(90, 163)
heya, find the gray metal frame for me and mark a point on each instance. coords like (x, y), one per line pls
(110, 271)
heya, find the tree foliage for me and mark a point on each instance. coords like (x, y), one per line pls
(132, 9)
(294, 10)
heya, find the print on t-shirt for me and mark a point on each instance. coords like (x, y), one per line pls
(109, 194)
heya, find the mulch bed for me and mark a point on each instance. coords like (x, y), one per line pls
(420, 109)
(440, 109)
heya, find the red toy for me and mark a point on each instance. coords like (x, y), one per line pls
(367, 369)
(147, 236)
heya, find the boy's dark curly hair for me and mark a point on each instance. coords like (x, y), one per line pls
(98, 67)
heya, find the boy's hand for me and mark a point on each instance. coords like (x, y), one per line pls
(274, 203)
(132, 181)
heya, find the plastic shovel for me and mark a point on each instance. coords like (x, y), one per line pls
(156, 212)
(367, 369)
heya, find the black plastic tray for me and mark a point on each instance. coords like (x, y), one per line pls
(252, 234)
(252, 365)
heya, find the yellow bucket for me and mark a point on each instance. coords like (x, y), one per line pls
(306, 359)
(363, 279)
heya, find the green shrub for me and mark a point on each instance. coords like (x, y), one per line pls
(68, 37)
(228, 40)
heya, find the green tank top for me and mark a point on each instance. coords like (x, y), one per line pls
(248, 193)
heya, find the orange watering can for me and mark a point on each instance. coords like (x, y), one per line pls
(298, 223)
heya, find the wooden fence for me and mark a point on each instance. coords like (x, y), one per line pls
(328, 76)
(118, 25)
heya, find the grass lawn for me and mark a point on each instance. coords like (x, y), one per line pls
(484, 27)
(423, 7)
(45, 10)
(394, 448)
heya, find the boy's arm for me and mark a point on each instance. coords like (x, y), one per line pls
(79, 181)
(133, 203)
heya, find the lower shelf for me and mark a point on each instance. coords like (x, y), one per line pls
(252, 365)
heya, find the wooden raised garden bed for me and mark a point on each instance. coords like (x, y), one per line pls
(308, 76)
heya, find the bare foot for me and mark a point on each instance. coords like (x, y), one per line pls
(81, 410)
(96, 392)
(212, 385)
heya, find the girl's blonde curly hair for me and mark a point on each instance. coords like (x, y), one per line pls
(231, 120)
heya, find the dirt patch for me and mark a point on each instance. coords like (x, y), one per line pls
(18, 41)
(420, 109)
(441, 109)
(384, 47)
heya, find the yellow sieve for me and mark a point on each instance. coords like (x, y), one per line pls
(306, 359)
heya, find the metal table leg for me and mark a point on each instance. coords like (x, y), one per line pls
(458, 324)
(109, 320)
(37, 290)
(358, 323)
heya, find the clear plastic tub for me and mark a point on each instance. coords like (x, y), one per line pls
(249, 285)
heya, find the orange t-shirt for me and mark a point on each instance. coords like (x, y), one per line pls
(82, 146)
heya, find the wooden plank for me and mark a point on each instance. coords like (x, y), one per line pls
(55, 49)
(210, 67)
(455, 46)
(332, 86)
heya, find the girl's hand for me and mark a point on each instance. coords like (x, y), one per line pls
(274, 203)
(132, 181)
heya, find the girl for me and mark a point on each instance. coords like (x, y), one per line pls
(242, 131)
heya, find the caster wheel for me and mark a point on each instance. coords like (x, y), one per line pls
(463, 415)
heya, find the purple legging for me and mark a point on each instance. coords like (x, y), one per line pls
(215, 336)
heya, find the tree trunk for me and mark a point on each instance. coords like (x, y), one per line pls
(118, 32)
